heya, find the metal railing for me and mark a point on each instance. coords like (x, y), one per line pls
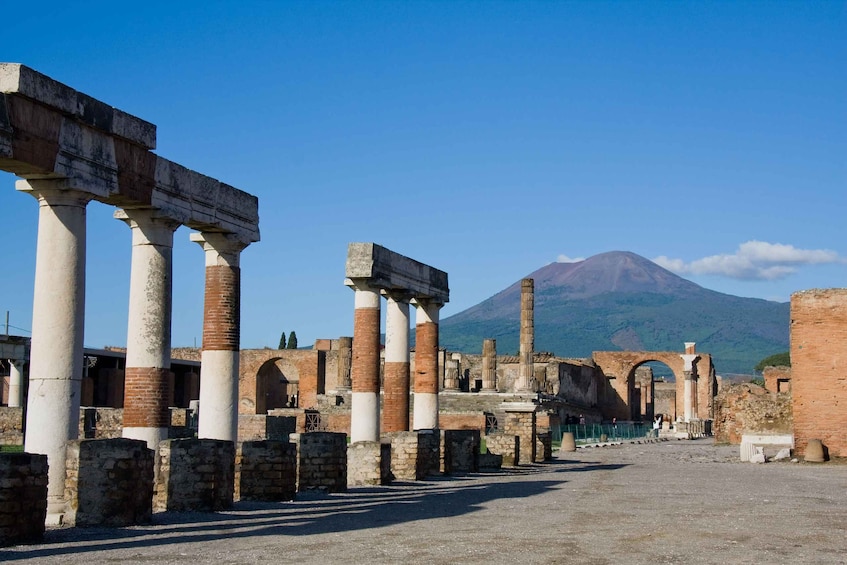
(592, 433)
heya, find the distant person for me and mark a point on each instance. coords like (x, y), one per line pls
(581, 420)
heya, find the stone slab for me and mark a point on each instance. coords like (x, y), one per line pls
(385, 269)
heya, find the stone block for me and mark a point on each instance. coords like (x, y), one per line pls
(23, 497)
(182, 487)
(266, 471)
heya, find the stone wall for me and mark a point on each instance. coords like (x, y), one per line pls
(266, 471)
(414, 455)
(257, 427)
(455, 421)
(321, 461)
(100, 423)
(505, 445)
(263, 373)
(463, 449)
(11, 426)
(368, 463)
(109, 482)
(195, 475)
(23, 497)
(543, 446)
(747, 408)
(818, 361)
(664, 400)
(522, 424)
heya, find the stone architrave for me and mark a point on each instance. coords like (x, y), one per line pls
(221, 336)
(56, 350)
(395, 410)
(527, 337)
(148, 352)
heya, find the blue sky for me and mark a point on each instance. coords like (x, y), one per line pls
(484, 138)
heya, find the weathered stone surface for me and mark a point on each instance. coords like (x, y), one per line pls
(747, 408)
(507, 446)
(365, 463)
(11, 426)
(109, 482)
(266, 470)
(321, 461)
(195, 475)
(462, 449)
(414, 455)
(23, 497)
(383, 268)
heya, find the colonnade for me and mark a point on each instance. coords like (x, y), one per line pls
(374, 271)
(100, 153)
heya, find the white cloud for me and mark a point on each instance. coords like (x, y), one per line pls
(753, 260)
(566, 259)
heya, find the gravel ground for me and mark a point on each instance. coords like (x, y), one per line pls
(669, 502)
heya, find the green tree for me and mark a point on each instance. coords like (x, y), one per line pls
(778, 360)
(292, 340)
(282, 341)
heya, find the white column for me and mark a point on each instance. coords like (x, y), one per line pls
(148, 348)
(364, 409)
(425, 413)
(16, 383)
(55, 368)
(395, 409)
(221, 336)
(688, 390)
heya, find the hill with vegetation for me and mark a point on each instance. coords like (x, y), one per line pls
(621, 301)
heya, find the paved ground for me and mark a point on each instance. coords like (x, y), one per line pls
(672, 502)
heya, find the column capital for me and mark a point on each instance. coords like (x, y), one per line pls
(222, 249)
(397, 295)
(54, 192)
(688, 360)
(149, 226)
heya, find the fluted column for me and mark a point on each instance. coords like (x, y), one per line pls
(426, 364)
(364, 370)
(148, 378)
(16, 383)
(58, 319)
(221, 336)
(489, 365)
(527, 336)
(395, 410)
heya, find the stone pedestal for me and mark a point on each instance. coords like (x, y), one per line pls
(506, 446)
(109, 483)
(461, 447)
(195, 475)
(23, 497)
(367, 462)
(321, 461)
(520, 421)
(266, 471)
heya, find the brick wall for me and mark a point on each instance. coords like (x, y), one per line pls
(819, 368)
(221, 321)
(777, 379)
(266, 471)
(23, 497)
(747, 408)
(522, 424)
(426, 358)
(147, 394)
(109, 482)
(395, 406)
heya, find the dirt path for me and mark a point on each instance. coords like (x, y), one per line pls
(672, 502)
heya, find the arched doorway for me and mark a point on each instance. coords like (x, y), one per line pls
(652, 391)
(277, 386)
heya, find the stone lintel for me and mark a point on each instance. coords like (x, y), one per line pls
(382, 268)
(519, 407)
(17, 79)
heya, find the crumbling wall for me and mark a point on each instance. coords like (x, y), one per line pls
(321, 461)
(266, 471)
(195, 475)
(777, 379)
(748, 408)
(11, 426)
(506, 446)
(23, 497)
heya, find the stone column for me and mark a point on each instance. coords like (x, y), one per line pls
(395, 411)
(489, 365)
(147, 384)
(451, 374)
(16, 383)
(58, 312)
(364, 369)
(221, 336)
(527, 345)
(345, 357)
(689, 390)
(426, 364)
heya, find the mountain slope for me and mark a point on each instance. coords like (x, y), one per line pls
(622, 301)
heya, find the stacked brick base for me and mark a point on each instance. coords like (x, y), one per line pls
(23, 497)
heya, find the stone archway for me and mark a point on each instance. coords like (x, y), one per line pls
(277, 386)
(619, 369)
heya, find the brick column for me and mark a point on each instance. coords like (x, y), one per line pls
(221, 336)
(58, 312)
(527, 336)
(364, 409)
(16, 383)
(426, 364)
(395, 411)
(148, 349)
(489, 365)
